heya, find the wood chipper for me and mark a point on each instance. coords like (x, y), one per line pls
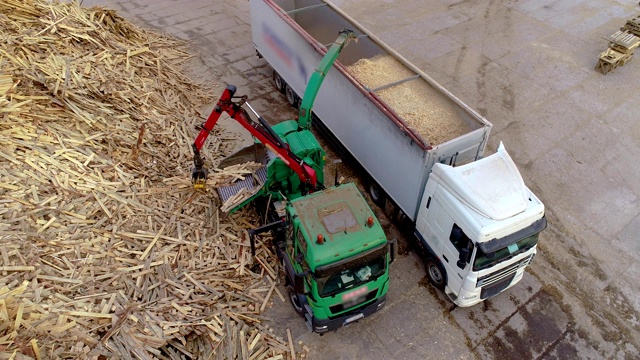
(332, 248)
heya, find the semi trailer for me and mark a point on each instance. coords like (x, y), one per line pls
(474, 216)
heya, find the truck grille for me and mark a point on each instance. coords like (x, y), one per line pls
(345, 306)
(495, 288)
(493, 283)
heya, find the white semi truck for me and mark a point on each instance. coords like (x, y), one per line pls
(474, 216)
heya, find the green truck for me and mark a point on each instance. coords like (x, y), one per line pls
(335, 255)
(334, 252)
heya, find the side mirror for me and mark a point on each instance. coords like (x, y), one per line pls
(298, 283)
(393, 249)
(463, 258)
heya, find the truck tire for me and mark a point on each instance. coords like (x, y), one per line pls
(295, 300)
(292, 98)
(436, 274)
(377, 194)
(279, 82)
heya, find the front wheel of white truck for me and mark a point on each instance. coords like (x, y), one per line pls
(436, 273)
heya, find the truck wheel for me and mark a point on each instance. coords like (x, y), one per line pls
(295, 300)
(435, 273)
(278, 82)
(292, 98)
(377, 194)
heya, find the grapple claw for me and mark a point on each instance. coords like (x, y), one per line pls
(199, 178)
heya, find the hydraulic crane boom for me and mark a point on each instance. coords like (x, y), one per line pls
(310, 93)
(261, 130)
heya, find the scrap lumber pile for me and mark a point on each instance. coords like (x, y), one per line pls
(107, 251)
(421, 106)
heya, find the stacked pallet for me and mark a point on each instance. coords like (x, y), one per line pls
(622, 45)
(421, 106)
(632, 25)
(107, 251)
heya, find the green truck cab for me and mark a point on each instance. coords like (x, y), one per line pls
(336, 257)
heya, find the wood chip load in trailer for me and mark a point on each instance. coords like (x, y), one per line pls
(429, 112)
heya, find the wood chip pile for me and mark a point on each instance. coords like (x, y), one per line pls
(107, 251)
(423, 108)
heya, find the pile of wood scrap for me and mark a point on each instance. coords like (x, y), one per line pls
(421, 106)
(107, 251)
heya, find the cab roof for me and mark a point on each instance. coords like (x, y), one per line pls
(491, 186)
(340, 215)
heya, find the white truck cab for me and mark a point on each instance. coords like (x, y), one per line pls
(481, 222)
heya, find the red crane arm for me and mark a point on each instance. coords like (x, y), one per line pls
(261, 130)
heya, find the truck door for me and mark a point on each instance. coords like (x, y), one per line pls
(284, 247)
(289, 239)
(300, 256)
(457, 240)
(430, 225)
(300, 251)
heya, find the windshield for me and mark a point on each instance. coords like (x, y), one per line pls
(483, 260)
(351, 274)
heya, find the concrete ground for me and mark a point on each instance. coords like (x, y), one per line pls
(527, 66)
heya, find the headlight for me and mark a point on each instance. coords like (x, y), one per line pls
(321, 329)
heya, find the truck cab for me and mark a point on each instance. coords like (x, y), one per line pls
(481, 223)
(336, 258)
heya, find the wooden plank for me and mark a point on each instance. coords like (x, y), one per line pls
(291, 348)
(90, 314)
(153, 242)
(266, 298)
(17, 268)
